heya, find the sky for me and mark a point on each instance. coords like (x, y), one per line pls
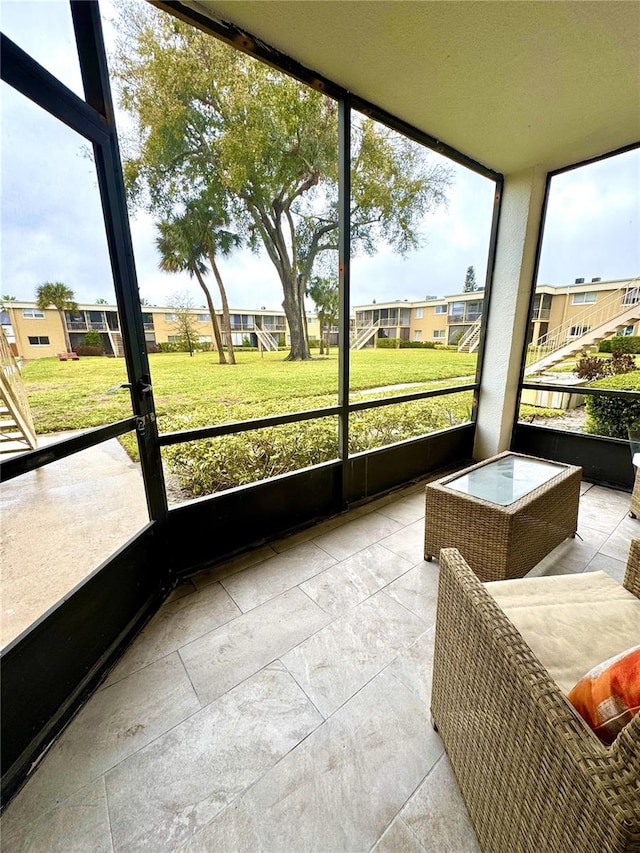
(52, 230)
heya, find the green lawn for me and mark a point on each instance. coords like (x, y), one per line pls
(192, 392)
(198, 391)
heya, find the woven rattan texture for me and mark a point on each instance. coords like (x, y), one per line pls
(634, 508)
(500, 542)
(534, 778)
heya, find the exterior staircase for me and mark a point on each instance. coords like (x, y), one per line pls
(621, 308)
(116, 343)
(16, 426)
(470, 341)
(364, 335)
(266, 339)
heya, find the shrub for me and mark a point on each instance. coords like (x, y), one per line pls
(591, 367)
(611, 416)
(622, 343)
(215, 464)
(418, 344)
(165, 346)
(92, 339)
(83, 350)
(388, 343)
(151, 347)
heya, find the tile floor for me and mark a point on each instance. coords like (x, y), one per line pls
(281, 703)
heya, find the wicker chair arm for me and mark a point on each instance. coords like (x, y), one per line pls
(632, 574)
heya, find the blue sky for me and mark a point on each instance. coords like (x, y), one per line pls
(52, 224)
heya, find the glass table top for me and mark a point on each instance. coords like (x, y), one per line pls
(506, 480)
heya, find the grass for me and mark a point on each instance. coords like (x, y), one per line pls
(197, 391)
(569, 365)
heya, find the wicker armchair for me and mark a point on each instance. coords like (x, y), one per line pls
(534, 779)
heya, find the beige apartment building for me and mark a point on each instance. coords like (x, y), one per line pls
(35, 333)
(573, 309)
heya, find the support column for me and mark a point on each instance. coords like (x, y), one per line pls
(520, 223)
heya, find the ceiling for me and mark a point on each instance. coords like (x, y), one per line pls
(510, 84)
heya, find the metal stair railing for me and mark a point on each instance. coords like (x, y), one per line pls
(471, 338)
(590, 318)
(364, 335)
(17, 423)
(266, 339)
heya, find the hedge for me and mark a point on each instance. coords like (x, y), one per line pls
(418, 344)
(211, 465)
(621, 343)
(611, 416)
(84, 350)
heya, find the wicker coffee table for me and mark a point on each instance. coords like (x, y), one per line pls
(504, 515)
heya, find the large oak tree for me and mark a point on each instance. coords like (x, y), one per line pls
(208, 118)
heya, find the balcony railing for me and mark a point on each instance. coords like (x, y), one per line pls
(76, 325)
(541, 313)
(100, 326)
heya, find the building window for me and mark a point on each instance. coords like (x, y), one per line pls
(5, 320)
(583, 298)
(170, 318)
(626, 332)
(417, 335)
(439, 309)
(418, 313)
(32, 314)
(204, 339)
(38, 341)
(173, 339)
(578, 331)
(438, 333)
(203, 318)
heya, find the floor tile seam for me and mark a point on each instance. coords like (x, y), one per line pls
(398, 814)
(431, 770)
(49, 811)
(364, 684)
(198, 592)
(368, 545)
(106, 800)
(190, 680)
(334, 619)
(104, 686)
(288, 589)
(366, 598)
(220, 566)
(323, 716)
(358, 518)
(408, 609)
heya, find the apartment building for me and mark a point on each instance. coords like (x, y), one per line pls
(35, 333)
(576, 307)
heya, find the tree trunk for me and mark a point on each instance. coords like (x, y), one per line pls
(226, 319)
(293, 305)
(214, 320)
(67, 339)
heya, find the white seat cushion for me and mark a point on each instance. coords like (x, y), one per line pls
(570, 622)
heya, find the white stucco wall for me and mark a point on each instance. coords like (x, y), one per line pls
(520, 217)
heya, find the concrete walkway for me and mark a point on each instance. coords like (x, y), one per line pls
(60, 522)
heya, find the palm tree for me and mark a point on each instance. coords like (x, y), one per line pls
(324, 292)
(209, 218)
(62, 298)
(179, 252)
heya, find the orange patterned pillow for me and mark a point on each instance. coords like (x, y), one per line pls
(608, 696)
